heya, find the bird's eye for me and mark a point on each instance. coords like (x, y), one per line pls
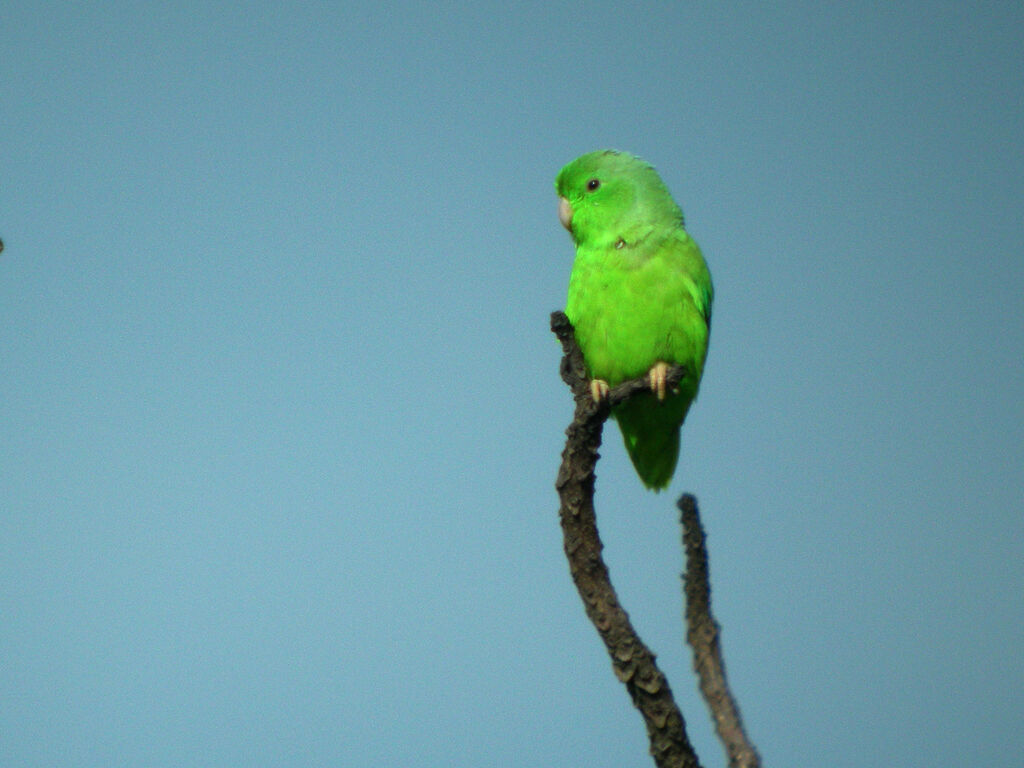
(593, 184)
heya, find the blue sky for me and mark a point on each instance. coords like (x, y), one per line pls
(280, 412)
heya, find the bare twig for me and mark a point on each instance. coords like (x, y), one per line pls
(702, 635)
(632, 661)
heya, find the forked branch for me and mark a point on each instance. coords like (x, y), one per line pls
(632, 661)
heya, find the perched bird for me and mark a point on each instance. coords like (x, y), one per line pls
(639, 299)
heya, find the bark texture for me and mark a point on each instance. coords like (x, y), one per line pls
(702, 634)
(633, 663)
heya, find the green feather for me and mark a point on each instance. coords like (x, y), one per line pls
(640, 293)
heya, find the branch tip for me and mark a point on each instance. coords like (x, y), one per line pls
(702, 634)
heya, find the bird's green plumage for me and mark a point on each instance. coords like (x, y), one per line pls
(640, 293)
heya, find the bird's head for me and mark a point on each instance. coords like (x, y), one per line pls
(613, 198)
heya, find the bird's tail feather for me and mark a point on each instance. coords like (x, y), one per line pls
(650, 430)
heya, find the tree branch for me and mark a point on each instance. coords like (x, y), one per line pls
(632, 661)
(702, 635)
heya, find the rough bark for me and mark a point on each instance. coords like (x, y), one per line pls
(702, 634)
(633, 663)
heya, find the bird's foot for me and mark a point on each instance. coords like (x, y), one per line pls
(599, 390)
(656, 378)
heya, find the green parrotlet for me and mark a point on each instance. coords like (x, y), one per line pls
(639, 299)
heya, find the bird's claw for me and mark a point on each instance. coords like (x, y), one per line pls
(656, 377)
(599, 390)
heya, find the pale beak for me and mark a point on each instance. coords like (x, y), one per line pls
(564, 213)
